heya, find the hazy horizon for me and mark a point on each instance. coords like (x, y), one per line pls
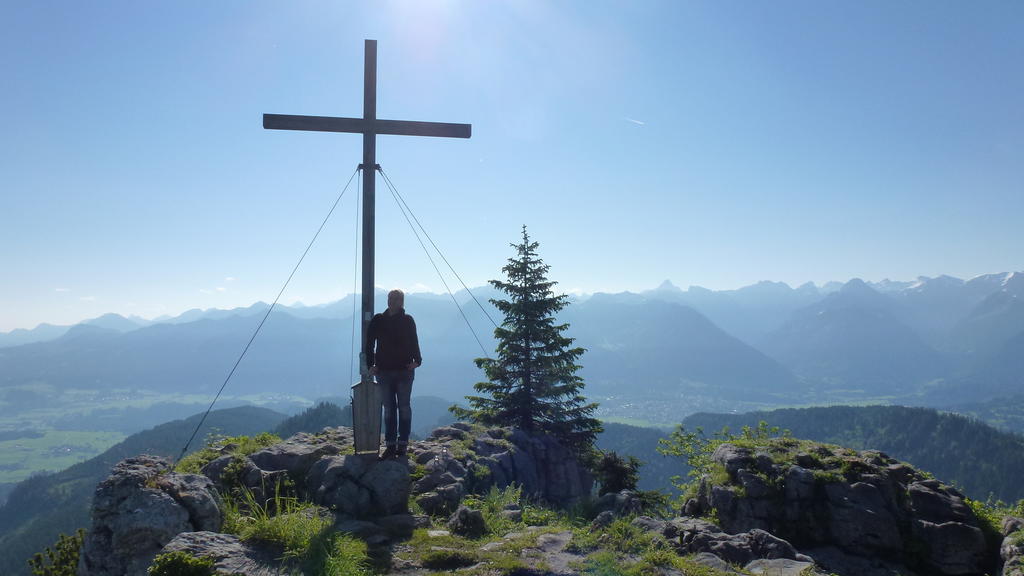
(295, 302)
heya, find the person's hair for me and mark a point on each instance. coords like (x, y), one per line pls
(397, 292)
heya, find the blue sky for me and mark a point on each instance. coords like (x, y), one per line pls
(710, 143)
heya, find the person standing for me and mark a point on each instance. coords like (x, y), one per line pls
(393, 354)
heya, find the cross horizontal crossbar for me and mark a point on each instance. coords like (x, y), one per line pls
(363, 126)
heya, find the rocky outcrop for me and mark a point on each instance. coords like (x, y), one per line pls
(298, 454)
(784, 507)
(312, 465)
(460, 458)
(854, 512)
(138, 509)
(265, 472)
(143, 508)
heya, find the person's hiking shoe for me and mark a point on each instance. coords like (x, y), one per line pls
(389, 453)
(402, 449)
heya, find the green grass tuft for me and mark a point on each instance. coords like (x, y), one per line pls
(492, 504)
(294, 524)
(610, 563)
(346, 556)
(448, 559)
(217, 446)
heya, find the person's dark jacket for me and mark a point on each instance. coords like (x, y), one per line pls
(391, 342)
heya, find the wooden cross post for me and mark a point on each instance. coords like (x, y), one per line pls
(366, 421)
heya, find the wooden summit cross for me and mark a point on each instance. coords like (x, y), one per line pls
(366, 400)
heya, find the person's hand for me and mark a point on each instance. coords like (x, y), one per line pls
(374, 370)
(411, 365)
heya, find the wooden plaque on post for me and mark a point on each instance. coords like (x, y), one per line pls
(366, 409)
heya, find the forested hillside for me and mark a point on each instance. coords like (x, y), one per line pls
(46, 505)
(1004, 413)
(657, 470)
(975, 457)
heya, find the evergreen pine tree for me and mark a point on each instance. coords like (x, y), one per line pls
(532, 384)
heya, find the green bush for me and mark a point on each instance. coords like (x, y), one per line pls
(538, 515)
(62, 559)
(181, 564)
(615, 473)
(654, 503)
(620, 537)
(479, 477)
(696, 448)
(990, 518)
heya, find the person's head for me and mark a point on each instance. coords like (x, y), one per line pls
(396, 300)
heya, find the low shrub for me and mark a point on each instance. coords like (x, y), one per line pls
(181, 564)
(615, 473)
(61, 559)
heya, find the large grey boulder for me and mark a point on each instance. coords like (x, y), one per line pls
(932, 501)
(955, 547)
(198, 496)
(467, 522)
(860, 521)
(360, 486)
(138, 509)
(388, 482)
(230, 555)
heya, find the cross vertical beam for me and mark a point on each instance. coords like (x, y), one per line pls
(369, 198)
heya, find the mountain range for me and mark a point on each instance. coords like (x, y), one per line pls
(937, 341)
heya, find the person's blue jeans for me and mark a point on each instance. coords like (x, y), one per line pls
(396, 385)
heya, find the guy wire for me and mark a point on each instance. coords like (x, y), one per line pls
(265, 316)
